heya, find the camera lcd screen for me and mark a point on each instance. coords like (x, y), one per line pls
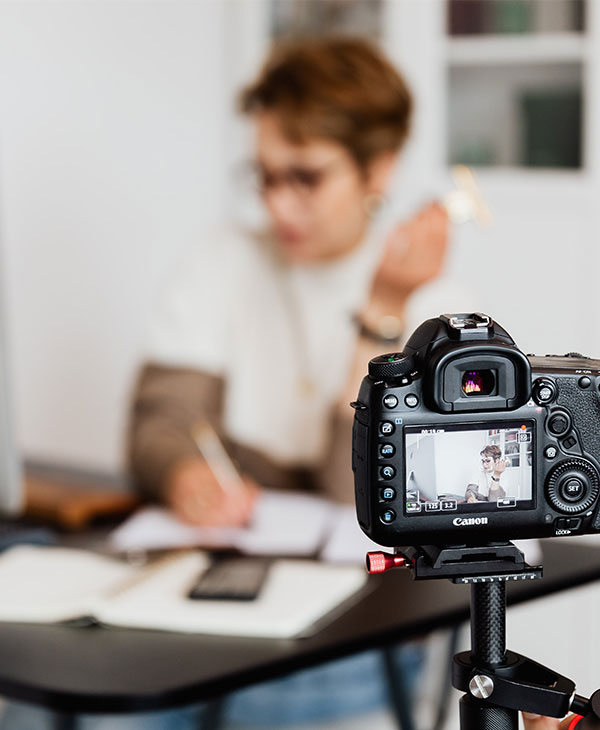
(469, 467)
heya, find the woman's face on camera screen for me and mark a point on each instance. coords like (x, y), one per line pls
(314, 193)
(487, 462)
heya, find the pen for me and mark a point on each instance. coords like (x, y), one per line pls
(218, 460)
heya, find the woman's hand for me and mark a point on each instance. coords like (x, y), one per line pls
(539, 722)
(499, 468)
(414, 255)
(197, 497)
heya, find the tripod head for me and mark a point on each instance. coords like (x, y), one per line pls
(493, 562)
(497, 683)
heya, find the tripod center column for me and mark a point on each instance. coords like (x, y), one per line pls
(488, 623)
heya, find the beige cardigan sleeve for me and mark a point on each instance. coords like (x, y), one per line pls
(334, 477)
(166, 403)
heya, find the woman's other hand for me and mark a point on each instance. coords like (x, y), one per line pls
(540, 722)
(414, 255)
(499, 468)
(196, 497)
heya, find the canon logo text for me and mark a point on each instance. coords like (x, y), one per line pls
(463, 521)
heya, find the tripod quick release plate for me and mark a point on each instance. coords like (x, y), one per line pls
(494, 563)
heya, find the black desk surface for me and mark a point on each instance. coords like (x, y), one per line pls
(117, 670)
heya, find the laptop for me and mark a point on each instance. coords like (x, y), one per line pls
(11, 476)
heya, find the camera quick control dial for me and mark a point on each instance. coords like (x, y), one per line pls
(392, 365)
(573, 486)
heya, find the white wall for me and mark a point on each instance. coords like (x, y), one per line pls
(457, 460)
(112, 141)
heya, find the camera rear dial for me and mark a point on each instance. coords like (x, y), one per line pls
(573, 486)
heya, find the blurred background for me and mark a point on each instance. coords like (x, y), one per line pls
(120, 147)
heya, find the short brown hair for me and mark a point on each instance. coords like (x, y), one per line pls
(340, 89)
(492, 450)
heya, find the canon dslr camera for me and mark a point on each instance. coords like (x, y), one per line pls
(462, 439)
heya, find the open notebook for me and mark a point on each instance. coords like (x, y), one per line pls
(42, 585)
(284, 523)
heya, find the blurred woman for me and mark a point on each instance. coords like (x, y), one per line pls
(267, 334)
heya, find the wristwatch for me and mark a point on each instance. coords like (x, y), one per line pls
(388, 330)
(495, 479)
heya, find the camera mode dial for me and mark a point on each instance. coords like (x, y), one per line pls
(573, 486)
(392, 365)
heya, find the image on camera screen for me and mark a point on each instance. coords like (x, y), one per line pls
(469, 467)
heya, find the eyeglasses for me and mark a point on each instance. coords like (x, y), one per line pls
(303, 180)
(487, 460)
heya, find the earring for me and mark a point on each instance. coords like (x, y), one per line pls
(373, 203)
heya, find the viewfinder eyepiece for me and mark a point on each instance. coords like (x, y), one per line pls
(478, 382)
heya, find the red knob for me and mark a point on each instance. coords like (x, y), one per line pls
(574, 722)
(379, 562)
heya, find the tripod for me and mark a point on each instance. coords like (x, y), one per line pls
(497, 683)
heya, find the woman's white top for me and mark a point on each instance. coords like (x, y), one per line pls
(271, 330)
(483, 480)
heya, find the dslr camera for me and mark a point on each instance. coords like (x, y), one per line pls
(461, 439)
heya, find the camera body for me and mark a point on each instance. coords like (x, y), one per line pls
(463, 439)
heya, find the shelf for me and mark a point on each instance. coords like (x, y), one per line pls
(525, 48)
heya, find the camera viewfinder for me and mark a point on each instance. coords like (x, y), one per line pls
(478, 382)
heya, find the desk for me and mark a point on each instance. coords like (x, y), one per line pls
(90, 669)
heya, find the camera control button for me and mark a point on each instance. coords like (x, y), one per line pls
(411, 400)
(386, 428)
(386, 451)
(567, 523)
(544, 391)
(388, 516)
(550, 452)
(390, 401)
(584, 382)
(573, 486)
(388, 494)
(558, 424)
(387, 472)
(569, 442)
(572, 489)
